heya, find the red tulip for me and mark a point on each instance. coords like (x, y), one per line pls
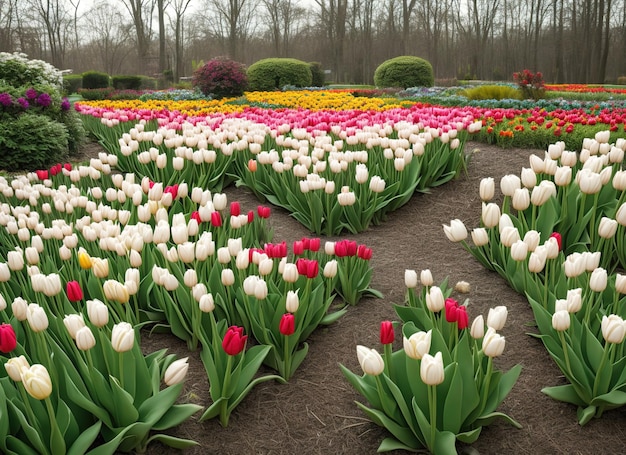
(314, 244)
(559, 239)
(42, 174)
(451, 311)
(172, 189)
(307, 267)
(287, 324)
(234, 340)
(54, 170)
(74, 292)
(341, 249)
(386, 332)
(8, 340)
(235, 209)
(461, 317)
(264, 212)
(298, 247)
(67, 166)
(216, 219)
(364, 252)
(195, 215)
(250, 216)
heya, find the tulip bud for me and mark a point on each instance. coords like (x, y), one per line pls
(100, 267)
(607, 228)
(37, 382)
(36, 317)
(620, 283)
(528, 178)
(509, 235)
(496, 317)
(431, 369)
(74, 292)
(613, 328)
(519, 251)
(176, 372)
(287, 325)
(292, 302)
(477, 330)
(370, 360)
(410, 278)
(493, 343)
(561, 320)
(190, 278)
(19, 307)
(480, 237)
(234, 340)
(598, 280)
(15, 366)
(426, 277)
(122, 337)
(456, 232)
(536, 262)
(487, 189)
(521, 199)
(206, 303)
(386, 332)
(73, 323)
(417, 345)
(97, 312)
(85, 339)
(8, 340)
(434, 299)
(228, 277)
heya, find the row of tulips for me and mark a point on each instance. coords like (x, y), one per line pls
(331, 178)
(559, 237)
(131, 253)
(441, 388)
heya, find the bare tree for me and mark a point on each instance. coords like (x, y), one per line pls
(55, 20)
(332, 17)
(141, 12)
(8, 11)
(180, 8)
(283, 17)
(105, 25)
(232, 21)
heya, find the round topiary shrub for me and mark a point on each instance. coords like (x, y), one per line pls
(221, 77)
(404, 72)
(317, 74)
(95, 79)
(274, 73)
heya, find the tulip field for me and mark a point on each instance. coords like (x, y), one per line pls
(293, 272)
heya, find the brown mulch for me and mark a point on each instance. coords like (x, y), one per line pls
(315, 412)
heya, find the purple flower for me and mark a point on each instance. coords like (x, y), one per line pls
(44, 100)
(23, 102)
(65, 105)
(31, 93)
(5, 99)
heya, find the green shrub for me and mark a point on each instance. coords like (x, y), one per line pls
(126, 82)
(221, 77)
(17, 70)
(96, 94)
(95, 79)
(31, 141)
(317, 74)
(492, 92)
(148, 83)
(274, 73)
(72, 83)
(404, 72)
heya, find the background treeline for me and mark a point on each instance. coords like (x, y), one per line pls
(568, 40)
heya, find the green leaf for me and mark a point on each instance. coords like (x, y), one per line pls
(585, 414)
(176, 415)
(390, 444)
(487, 419)
(85, 440)
(614, 398)
(566, 393)
(403, 434)
(469, 437)
(213, 410)
(155, 407)
(125, 411)
(171, 441)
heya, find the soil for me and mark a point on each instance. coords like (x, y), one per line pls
(315, 412)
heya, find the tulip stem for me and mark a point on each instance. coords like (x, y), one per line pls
(121, 368)
(387, 350)
(432, 404)
(486, 385)
(565, 354)
(596, 382)
(286, 359)
(224, 415)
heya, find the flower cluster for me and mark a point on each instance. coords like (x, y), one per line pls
(531, 84)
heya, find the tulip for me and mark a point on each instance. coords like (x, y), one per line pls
(561, 320)
(190, 278)
(73, 323)
(5, 272)
(15, 366)
(206, 303)
(477, 330)
(85, 339)
(426, 277)
(434, 299)
(100, 267)
(37, 382)
(74, 292)
(176, 372)
(620, 216)
(417, 345)
(509, 235)
(122, 337)
(574, 300)
(509, 183)
(228, 277)
(490, 214)
(493, 343)
(19, 307)
(370, 360)
(36, 317)
(330, 269)
(8, 340)
(620, 283)
(234, 340)
(97, 312)
(496, 317)
(292, 302)
(536, 262)
(607, 228)
(521, 199)
(456, 232)
(410, 278)
(563, 176)
(531, 239)
(116, 291)
(431, 369)
(386, 332)
(487, 189)
(598, 280)
(287, 325)
(519, 251)
(528, 178)
(480, 237)
(613, 328)
(84, 260)
(15, 259)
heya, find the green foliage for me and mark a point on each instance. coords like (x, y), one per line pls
(126, 82)
(95, 79)
(274, 73)
(404, 71)
(221, 77)
(148, 83)
(17, 70)
(492, 92)
(72, 83)
(317, 74)
(31, 141)
(621, 80)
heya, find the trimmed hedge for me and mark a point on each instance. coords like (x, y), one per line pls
(274, 73)
(126, 82)
(404, 72)
(95, 79)
(317, 74)
(72, 83)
